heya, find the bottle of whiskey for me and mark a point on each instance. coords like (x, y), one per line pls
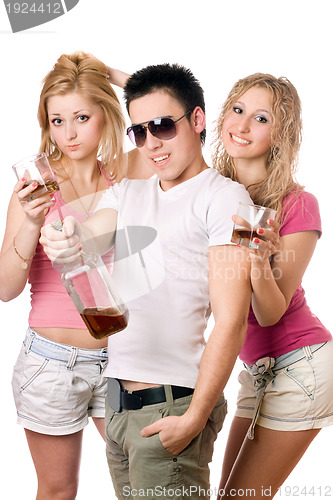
(92, 290)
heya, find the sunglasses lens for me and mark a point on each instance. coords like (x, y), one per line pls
(162, 128)
(137, 135)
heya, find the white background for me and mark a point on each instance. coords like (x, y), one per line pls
(220, 41)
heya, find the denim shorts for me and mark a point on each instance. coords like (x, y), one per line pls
(294, 392)
(57, 386)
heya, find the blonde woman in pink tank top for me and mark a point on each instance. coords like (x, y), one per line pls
(58, 378)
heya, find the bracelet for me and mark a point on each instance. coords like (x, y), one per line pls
(24, 264)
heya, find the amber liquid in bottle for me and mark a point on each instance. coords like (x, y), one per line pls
(104, 322)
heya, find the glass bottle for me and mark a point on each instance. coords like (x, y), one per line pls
(92, 290)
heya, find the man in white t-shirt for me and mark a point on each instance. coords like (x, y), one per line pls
(171, 281)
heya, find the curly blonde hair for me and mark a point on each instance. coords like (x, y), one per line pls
(286, 136)
(79, 72)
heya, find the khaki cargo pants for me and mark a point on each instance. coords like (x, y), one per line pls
(141, 467)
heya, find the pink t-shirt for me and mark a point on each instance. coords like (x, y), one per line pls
(298, 327)
(51, 305)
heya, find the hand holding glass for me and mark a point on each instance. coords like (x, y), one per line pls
(249, 219)
(36, 168)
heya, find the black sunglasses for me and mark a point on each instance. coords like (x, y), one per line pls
(163, 128)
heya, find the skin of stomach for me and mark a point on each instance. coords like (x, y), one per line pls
(71, 336)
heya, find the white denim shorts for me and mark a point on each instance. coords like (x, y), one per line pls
(57, 386)
(299, 392)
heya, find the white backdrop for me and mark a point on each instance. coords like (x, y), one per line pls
(220, 41)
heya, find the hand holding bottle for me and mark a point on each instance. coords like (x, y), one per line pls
(62, 246)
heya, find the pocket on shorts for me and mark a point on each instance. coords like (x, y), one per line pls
(27, 369)
(302, 373)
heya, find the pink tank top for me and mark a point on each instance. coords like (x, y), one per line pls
(298, 327)
(51, 306)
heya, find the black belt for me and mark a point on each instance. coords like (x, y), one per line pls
(137, 399)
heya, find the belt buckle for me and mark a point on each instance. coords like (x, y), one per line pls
(114, 394)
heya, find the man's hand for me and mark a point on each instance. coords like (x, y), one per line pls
(64, 246)
(175, 433)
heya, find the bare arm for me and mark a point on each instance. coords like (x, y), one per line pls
(275, 284)
(230, 295)
(24, 221)
(117, 77)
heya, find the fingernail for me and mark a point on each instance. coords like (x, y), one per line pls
(269, 221)
(256, 240)
(239, 246)
(260, 230)
(34, 184)
(23, 179)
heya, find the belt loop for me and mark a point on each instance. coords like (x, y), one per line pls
(168, 394)
(263, 374)
(103, 362)
(102, 365)
(308, 352)
(72, 358)
(30, 340)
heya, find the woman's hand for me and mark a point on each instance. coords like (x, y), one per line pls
(115, 76)
(34, 209)
(269, 245)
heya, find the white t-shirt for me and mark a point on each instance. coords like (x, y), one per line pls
(161, 272)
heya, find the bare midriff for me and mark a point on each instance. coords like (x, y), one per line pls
(72, 336)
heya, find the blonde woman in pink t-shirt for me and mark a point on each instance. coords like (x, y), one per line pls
(286, 390)
(58, 378)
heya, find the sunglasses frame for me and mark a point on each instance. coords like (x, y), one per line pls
(151, 123)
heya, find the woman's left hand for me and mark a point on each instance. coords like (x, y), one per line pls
(269, 245)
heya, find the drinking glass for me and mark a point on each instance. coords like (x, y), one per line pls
(36, 168)
(248, 219)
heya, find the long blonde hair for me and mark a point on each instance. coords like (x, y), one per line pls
(286, 136)
(79, 72)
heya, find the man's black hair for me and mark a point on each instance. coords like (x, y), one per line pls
(174, 79)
